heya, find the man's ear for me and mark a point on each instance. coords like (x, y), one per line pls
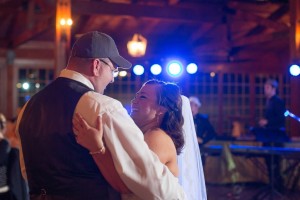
(96, 65)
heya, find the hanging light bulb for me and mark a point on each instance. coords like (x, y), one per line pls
(137, 46)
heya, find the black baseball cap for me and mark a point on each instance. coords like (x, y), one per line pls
(98, 45)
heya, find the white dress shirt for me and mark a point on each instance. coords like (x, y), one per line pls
(139, 168)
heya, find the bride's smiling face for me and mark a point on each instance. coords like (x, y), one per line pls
(144, 106)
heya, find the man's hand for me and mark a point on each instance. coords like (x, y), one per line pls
(200, 141)
(263, 122)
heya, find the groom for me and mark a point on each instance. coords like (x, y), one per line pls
(57, 167)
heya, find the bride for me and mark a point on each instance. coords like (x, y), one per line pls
(153, 106)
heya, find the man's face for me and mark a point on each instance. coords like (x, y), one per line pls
(104, 74)
(195, 108)
(269, 90)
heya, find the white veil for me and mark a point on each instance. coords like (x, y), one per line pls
(191, 175)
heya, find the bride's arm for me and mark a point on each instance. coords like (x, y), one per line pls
(163, 146)
(91, 138)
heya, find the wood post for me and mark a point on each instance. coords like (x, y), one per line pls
(295, 58)
(63, 34)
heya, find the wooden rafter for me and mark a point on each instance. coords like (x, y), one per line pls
(29, 34)
(271, 21)
(9, 7)
(207, 13)
(35, 23)
(257, 39)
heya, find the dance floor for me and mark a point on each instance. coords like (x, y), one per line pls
(237, 170)
(247, 192)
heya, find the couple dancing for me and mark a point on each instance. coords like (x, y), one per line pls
(57, 168)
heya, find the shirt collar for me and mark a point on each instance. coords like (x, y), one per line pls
(66, 73)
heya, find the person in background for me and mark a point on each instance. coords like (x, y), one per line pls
(273, 120)
(56, 166)
(4, 156)
(12, 184)
(275, 107)
(205, 131)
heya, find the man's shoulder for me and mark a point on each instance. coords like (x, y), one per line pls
(277, 99)
(105, 102)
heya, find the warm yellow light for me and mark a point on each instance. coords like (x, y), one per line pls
(122, 73)
(70, 22)
(62, 22)
(137, 46)
(19, 85)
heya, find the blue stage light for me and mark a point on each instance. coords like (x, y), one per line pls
(294, 70)
(138, 70)
(192, 68)
(174, 68)
(155, 69)
(27, 97)
(25, 86)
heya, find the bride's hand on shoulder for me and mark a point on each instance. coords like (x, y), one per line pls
(88, 136)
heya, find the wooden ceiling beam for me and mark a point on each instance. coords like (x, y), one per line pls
(239, 13)
(254, 7)
(260, 39)
(9, 32)
(173, 2)
(29, 34)
(270, 22)
(222, 44)
(45, 6)
(79, 23)
(197, 34)
(263, 22)
(10, 7)
(201, 13)
(212, 45)
(30, 13)
(88, 23)
(36, 22)
(256, 37)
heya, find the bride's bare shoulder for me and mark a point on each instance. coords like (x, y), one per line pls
(160, 142)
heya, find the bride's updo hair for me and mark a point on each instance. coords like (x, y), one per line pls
(169, 96)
